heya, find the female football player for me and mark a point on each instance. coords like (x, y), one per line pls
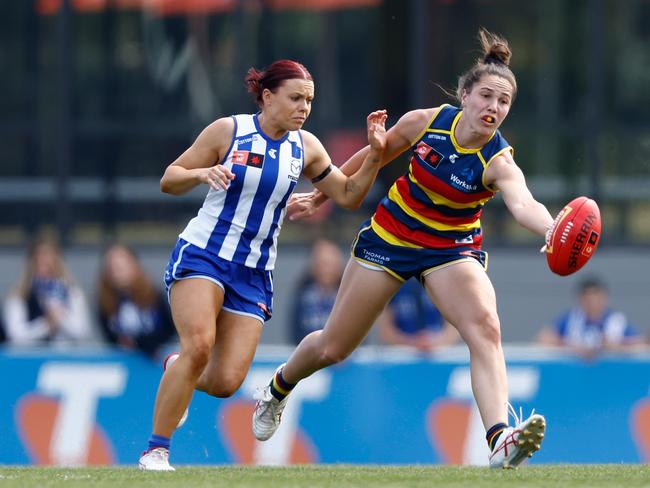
(219, 274)
(428, 227)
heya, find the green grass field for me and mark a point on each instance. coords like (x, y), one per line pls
(340, 476)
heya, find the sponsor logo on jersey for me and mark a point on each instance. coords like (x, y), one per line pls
(252, 138)
(373, 257)
(461, 183)
(248, 158)
(428, 154)
(273, 152)
(438, 137)
(458, 183)
(295, 169)
(453, 158)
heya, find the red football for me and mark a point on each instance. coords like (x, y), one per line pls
(575, 236)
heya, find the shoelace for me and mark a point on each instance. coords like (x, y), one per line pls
(259, 394)
(518, 418)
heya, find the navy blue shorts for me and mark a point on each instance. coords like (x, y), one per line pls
(247, 291)
(404, 262)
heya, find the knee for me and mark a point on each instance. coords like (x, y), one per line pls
(490, 328)
(224, 386)
(197, 351)
(325, 351)
(331, 354)
(485, 331)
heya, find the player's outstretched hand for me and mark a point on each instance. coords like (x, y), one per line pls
(376, 122)
(547, 239)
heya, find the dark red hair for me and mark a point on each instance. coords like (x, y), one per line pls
(273, 76)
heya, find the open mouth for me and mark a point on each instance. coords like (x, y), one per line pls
(488, 118)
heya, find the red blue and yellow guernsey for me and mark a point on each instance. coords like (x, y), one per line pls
(438, 203)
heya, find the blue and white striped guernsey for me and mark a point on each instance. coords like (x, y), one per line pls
(242, 223)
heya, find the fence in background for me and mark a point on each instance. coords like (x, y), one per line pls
(383, 406)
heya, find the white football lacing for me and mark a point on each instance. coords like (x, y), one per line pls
(518, 418)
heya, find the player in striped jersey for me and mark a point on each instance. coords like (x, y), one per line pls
(219, 278)
(428, 228)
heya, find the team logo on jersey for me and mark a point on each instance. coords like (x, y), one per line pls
(428, 154)
(248, 158)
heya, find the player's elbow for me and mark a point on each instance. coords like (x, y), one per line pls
(352, 205)
(349, 201)
(166, 186)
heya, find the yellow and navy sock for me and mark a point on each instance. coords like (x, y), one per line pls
(159, 441)
(279, 387)
(493, 434)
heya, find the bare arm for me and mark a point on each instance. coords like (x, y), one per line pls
(398, 139)
(200, 163)
(347, 191)
(504, 174)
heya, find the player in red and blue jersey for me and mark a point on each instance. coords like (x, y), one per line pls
(428, 227)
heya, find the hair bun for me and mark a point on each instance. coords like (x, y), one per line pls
(495, 48)
(493, 58)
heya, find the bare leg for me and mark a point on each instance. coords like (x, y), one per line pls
(465, 296)
(195, 304)
(233, 352)
(361, 298)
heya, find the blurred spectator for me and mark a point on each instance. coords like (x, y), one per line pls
(317, 290)
(591, 325)
(47, 306)
(132, 311)
(410, 319)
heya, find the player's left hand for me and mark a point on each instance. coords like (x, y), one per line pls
(376, 122)
(547, 239)
(302, 205)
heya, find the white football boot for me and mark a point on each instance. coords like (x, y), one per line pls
(518, 443)
(268, 412)
(156, 459)
(169, 360)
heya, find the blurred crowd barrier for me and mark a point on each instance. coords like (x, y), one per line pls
(385, 406)
(529, 295)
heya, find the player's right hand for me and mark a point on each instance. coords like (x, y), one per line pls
(218, 177)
